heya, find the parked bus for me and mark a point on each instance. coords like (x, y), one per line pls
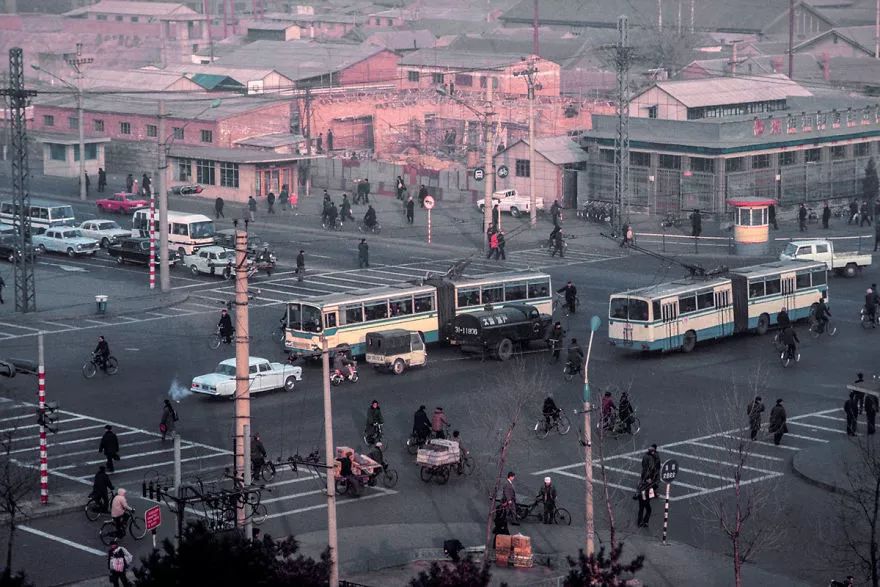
(186, 232)
(678, 314)
(42, 214)
(345, 318)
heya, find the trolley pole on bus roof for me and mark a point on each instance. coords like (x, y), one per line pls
(595, 322)
(332, 540)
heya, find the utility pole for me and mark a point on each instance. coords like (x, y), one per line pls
(308, 135)
(692, 17)
(535, 45)
(621, 141)
(790, 38)
(23, 268)
(877, 30)
(164, 269)
(530, 75)
(41, 406)
(488, 203)
(242, 361)
(75, 63)
(588, 447)
(329, 449)
(659, 16)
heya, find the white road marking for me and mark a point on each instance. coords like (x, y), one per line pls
(292, 496)
(831, 418)
(382, 492)
(725, 449)
(64, 541)
(19, 327)
(814, 427)
(805, 437)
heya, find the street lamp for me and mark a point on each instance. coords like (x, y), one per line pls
(595, 322)
(80, 124)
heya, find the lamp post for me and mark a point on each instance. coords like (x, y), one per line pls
(595, 322)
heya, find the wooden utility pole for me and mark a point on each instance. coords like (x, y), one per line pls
(530, 75)
(329, 449)
(164, 268)
(488, 122)
(790, 38)
(242, 362)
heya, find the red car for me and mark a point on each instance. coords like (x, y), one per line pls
(121, 203)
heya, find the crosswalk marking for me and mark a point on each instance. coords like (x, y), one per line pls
(815, 427)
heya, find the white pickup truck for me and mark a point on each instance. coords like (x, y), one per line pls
(848, 264)
(513, 202)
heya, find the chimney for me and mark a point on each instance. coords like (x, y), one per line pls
(776, 62)
(826, 67)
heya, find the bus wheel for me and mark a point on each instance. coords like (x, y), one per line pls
(504, 350)
(763, 324)
(689, 341)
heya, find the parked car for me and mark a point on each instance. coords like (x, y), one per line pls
(9, 248)
(212, 260)
(65, 240)
(263, 374)
(226, 238)
(136, 250)
(846, 263)
(106, 232)
(512, 201)
(121, 203)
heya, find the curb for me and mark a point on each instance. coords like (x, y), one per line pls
(812, 480)
(37, 317)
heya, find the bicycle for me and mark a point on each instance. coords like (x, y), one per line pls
(524, 511)
(389, 477)
(373, 435)
(375, 228)
(133, 524)
(617, 427)
(93, 510)
(786, 356)
(560, 422)
(90, 367)
(818, 328)
(264, 471)
(570, 370)
(867, 320)
(439, 473)
(466, 465)
(415, 442)
(216, 339)
(559, 301)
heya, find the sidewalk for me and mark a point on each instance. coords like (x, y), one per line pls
(826, 465)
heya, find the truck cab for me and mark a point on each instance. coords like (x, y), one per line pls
(847, 263)
(513, 202)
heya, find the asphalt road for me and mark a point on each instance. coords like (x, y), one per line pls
(678, 397)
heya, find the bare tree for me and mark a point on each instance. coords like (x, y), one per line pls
(16, 482)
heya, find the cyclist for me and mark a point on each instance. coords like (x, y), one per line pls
(625, 412)
(871, 306)
(377, 453)
(790, 340)
(551, 411)
(555, 338)
(346, 472)
(119, 511)
(374, 418)
(570, 292)
(823, 314)
(421, 425)
(225, 326)
(265, 255)
(439, 423)
(782, 318)
(462, 451)
(100, 486)
(258, 455)
(341, 363)
(102, 353)
(609, 411)
(575, 356)
(370, 217)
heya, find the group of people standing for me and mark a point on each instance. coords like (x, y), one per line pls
(858, 402)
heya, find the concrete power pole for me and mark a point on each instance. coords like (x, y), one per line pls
(164, 269)
(329, 449)
(530, 75)
(488, 122)
(877, 30)
(242, 360)
(790, 38)
(621, 141)
(75, 63)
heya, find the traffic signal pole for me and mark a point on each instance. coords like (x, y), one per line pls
(41, 391)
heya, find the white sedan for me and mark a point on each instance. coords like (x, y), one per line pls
(211, 259)
(264, 375)
(106, 232)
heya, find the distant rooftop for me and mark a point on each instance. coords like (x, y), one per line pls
(561, 150)
(147, 105)
(460, 59)
(732, 90)
(402, 40)
(133, 8)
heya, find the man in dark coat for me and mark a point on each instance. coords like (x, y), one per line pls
(421, 424)
(853, 210)
(88, 182)
(129, 183)
(330, 139)
(363, 254)
(109, 446)
(410, 209)
(826, 215)
(547, 494)
(218, 208)
(771, 216)
(851, 409)
(696, 223)
(366, 188)
(648, 484)
(423, 193)
(102, 179)
(754, 411)
(146, 184)
(270, 203)
(871, 412)
(300, 265)
(508, 495)
(100, 488)
(802, 218)
(777, 422)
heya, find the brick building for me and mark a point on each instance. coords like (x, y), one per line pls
(557, 159)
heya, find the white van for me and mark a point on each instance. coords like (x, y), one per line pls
(186, 232)
(42, 214)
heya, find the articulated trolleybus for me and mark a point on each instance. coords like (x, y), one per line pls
(345, 318)
(678, 314)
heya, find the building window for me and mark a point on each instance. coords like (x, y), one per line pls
(436, 78)
(125, 128)
(734, 164)
(178, 133)
(101, 17)
(523, 168)
(205, 172)
(134, 19)
(463, 79)
(670, 162)
(57, 152)
(637, 159)
(118, 18)
(152, 130)
(787, 158)
(72, 122)
(652, 111)
(702, 165)
(228, 175)
(812, 155)
(184, 170)
(861, 149)
(412, 76)
(91, 152)
(761, 161)
(98, 125)
(494, 83)
(606, 155)
(838, 151)
(48, 120)
(207, 137)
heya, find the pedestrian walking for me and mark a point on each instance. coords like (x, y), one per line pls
(2, 285)
(252, 208)
(558, 244)
(87, 181)
(777, 422)
(548, 496)
(648, 483)
(802, 218)
(146, 185)
(169, 418)
(627, 236)
(270, 203)
(294, 202)
(860, 377)
(851, 410)
(771, 216)
(508, 498)
(401, 188)
(110, 447)
(283, 197)
(134, 187)
(826, 215)
(345, 209)
(423, 193)
(499, 252)
(853, 211)
(876, 235)
(358, 192)
(118, 562)
(556, 213)
(696, 223)
(496, 216)
(493, 243)
(102, 179)
(300, 265)
(363, 254)
(871, 412)
(865, 215)
(410, 209)
(329, 139)
(320, 142)
(129, 183)
(754, 411)
(366, 185)
(218, 208)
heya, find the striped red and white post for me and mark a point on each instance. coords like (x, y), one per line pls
(44, 452)
(666, 514)
(429, 226)
(152, 240)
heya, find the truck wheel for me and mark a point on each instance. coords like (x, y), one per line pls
(763, 324)
(851, 270)
(689, 341)
(514, 211)
(504, 350)
(194, 269)
(105, 243)
(398, 367)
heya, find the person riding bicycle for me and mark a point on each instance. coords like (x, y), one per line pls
(575, 355)
(609, 411)
(555, 338)
(550, 410)
(370, 217)
(571, 293)
(342, 363)
(421, 425)
(119, 510)
(225, 326)
(790, 340)
(871, 305)
(439, 423)
(823, 314)
(782, 319)
(346, 472)
(625, 412)
(377, 453)
(258, 455)
(374, 418)
(102, 353)
(100, 488)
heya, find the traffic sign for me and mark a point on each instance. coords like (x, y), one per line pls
(503, 171)
(153, 517)
(429, 202)
(479, 174)
(669, 470)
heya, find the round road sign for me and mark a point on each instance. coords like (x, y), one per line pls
(669, 470)
(503, 171)
(479, 174)
(429, 202)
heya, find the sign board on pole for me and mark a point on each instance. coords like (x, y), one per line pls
(479, 174)
(669, 470)
(429, 202)
(503, 171)
(153, 517)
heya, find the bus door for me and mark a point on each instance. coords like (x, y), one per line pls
(789, 287)
(724, 311)
(671, 324)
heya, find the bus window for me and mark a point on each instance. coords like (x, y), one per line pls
(311, 318)
(294, 317)
(655, 308)
(618, 309)
(493, 294)
(400, 306)
(375, 310)
(687, 304)
(330, 320)
(468, 296)
(756, 289)
(424, 303)
(705, 299)
(59, 213)
(514, 291)
(820, 277)
(638, 310)
(353, 313)
(181, 229)
(202, 229)
(539, 289)
(6, 208)
(773, 286)
(629, 309)
(803, 280)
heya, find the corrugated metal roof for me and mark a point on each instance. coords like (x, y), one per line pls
(235, 155)
(561, 150)
(732, 90)
(211, 81)
(467, 60)
(136, 9)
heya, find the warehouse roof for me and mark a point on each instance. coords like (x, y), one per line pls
(561, 150)
(156, 9)
(236, 155)
(719, 91)
(459, 59)
(180, 109)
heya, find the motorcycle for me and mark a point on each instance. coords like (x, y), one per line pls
(336, 377)
(229, 270)
(263, 264)
(187, 189)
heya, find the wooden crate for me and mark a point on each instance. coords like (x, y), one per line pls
(502, 542)
(502, 560)
(520, 541)
(523, 562)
